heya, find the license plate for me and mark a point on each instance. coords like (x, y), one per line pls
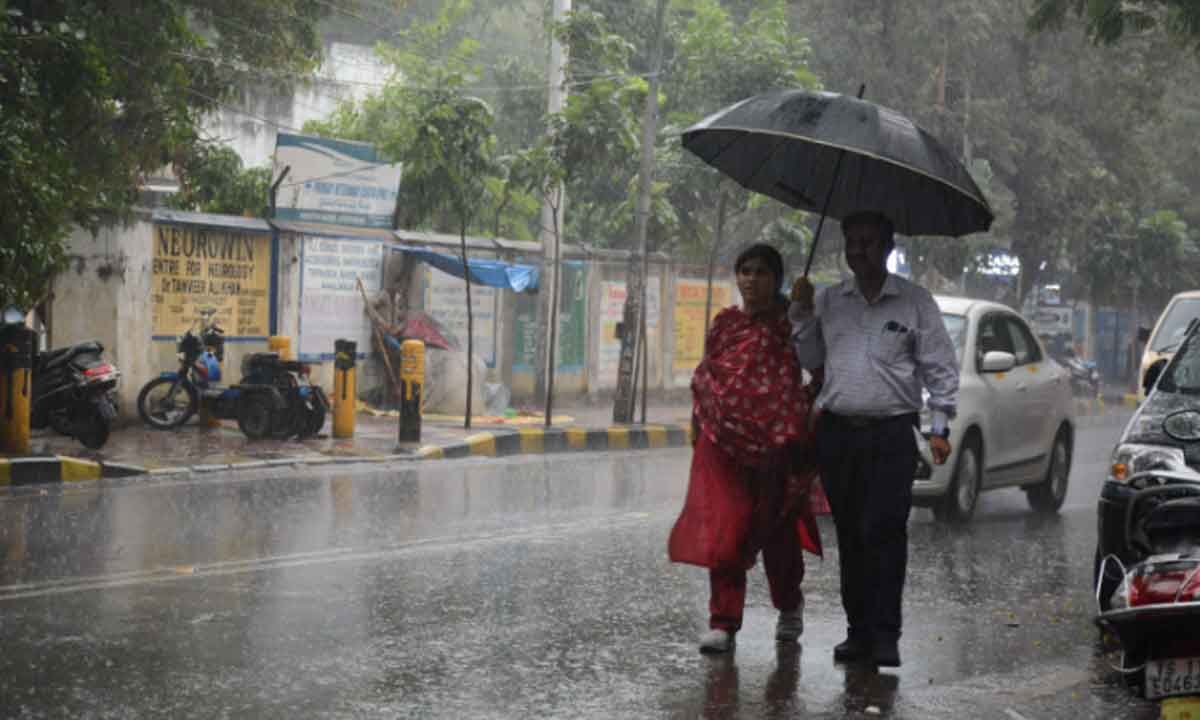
(1180, 708)
(1172, 676)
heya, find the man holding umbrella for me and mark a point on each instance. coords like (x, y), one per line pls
(879, 338)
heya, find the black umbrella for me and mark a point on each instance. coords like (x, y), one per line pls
(836, 155)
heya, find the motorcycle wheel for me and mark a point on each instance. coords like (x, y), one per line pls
(91, 426)
(255, 415)
(60, 421)
(159, 405)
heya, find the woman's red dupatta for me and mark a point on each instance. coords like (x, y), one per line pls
(753, 466)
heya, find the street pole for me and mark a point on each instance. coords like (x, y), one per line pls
(551, 222)
(633, 317)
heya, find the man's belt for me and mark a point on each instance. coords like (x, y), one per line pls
(860, 422)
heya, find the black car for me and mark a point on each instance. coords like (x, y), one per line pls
(1161, 435)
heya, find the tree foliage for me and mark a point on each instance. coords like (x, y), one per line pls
(1108, 21)
(212, 180)
(95, 95)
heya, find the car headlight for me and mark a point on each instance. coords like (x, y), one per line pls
(1128, 459)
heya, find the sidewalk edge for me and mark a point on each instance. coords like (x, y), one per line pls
(44, 469)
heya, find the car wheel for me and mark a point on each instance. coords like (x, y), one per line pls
(958, 505)
(1047, 496)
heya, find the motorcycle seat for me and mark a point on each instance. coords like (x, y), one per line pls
(56, 357)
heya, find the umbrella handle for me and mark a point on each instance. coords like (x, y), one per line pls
(837, 170)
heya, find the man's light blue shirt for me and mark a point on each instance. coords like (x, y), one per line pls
(877, 356)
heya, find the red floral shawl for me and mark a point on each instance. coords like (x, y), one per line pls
(752, 468)
(748, 391)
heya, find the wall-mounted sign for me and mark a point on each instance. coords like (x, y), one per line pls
(336, 182)
(446, 302)
(197, 268)
(612, 311)
(331, 305)
(572, 322)
(690, 299)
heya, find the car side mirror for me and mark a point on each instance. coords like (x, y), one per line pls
(1143, 334)
(998, 361)
(1150, 379)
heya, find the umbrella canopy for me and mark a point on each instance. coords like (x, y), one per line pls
(810, 149)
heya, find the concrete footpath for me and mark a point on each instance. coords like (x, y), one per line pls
(137, 450)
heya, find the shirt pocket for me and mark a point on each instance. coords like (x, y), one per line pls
(892, 348)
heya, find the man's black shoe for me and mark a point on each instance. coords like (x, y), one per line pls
(852, 648)
(886, 653)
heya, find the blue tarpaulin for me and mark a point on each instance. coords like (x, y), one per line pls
(492, 273)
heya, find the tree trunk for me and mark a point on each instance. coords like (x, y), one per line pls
(470, 328)
(712, 262)
(552, 343)
(623, 403)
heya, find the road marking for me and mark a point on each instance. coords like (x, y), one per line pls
(177, 573)
(1014, 714)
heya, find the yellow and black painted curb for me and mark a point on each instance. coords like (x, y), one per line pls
(535, 441)
(41, 469)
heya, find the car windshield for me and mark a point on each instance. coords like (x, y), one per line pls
(956, 325)
(1174, 324)
(1183, 373)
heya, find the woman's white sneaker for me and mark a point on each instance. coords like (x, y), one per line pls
(716, 641)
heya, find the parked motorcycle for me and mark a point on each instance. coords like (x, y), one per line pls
(273, 399)
(75, 392)
(1085, 378)
(1154, 610)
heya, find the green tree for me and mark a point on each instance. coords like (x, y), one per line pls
(721, 57)
(94, 95)
(212, 180)
(1108, 21)
(442, 136)
(1038, 120)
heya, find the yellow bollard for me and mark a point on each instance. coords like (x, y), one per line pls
(281, 344)
(345, 395)
(16, 388)
(412, 382)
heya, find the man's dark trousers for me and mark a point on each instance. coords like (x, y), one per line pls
(867, 469)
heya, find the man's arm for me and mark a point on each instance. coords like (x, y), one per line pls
(807, 340)
(937, 363)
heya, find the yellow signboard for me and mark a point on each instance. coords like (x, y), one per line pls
(220, 268)
(690, 297)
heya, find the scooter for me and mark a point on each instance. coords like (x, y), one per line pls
(1154, 610)
(75, 392)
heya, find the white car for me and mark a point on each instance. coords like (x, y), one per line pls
(1016, 418)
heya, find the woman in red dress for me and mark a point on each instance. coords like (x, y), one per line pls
(752, 466)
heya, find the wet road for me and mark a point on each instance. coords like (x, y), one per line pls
(511, 589)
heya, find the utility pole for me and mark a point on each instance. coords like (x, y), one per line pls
(634, 316)
(551, 224)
